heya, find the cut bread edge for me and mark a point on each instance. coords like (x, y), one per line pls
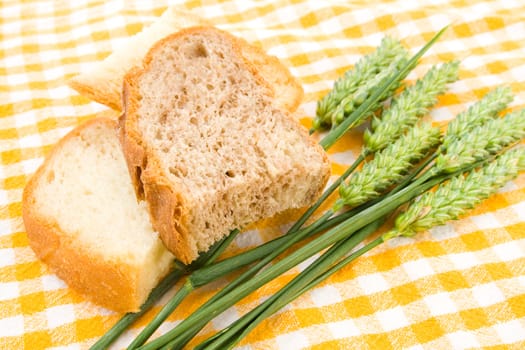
(112, 283)
(102, 83)
(168, 205)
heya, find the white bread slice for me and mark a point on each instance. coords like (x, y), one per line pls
(83, 220)
(206, 144)
(103, 82)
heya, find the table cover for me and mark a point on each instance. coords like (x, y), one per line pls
(460, 285)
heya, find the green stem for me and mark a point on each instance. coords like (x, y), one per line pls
(204, 260)
(211, 272)
(231, 335)
(330, 190)
(300, 284)
(206, 275)
(162, 288)
(365, 108)
(272, 255)
(163, 314)
(129, 318)
(208, 311)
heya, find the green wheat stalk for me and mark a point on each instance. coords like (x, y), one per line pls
(352, 101)
(453, 198)
(478, 114)
(409, 106)
(390, 50)
(388, 166)
(482, 141)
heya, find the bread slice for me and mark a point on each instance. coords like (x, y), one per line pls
(103, 82)
(83, 220)
(207, 145)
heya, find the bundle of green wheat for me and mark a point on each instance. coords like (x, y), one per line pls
(469, 162)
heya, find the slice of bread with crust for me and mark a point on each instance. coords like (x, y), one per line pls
(83, 220)
(208, 146)
(103, 82)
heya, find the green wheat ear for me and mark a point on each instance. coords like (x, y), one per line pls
(388, 166)
(409, 106)
(458, 195)
(389, 51)
(482, 141)
(478, 114)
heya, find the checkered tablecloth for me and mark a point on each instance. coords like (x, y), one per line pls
(457, 286)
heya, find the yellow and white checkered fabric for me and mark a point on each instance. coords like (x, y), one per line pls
(457, 286)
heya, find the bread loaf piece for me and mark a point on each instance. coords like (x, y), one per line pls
(83, 220)
(103, 82)
(207, 144)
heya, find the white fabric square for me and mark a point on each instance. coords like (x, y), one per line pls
(440, 304)
(486, 221)
(392, 318)
(345, 158)
(510, 332)
(519, 209)
(418, 269)
(326, 295)
(293, 340)
(463, 260)
(12, 326)
(7, 257)
(5, 225)
(30, 141)
(462, 340)
(59, 315)
(226, 318)
(443, 232)
(67, 347)
(487, 294)
(52, 282)
(509, 251)
(373, 283)
(307, 262)
(343, 329)
(248, 239)
(9, 290)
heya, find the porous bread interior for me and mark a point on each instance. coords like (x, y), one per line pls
(222, 142)
(86, 189)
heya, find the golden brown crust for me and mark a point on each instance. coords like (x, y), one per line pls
(108, 283)
(104, 83)
(167, 212)
(166, 203)
(101, 92)
(273, 70)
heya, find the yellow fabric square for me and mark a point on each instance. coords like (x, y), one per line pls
(427, 330)
(11, 342)
(405, 293)
(6, 110)
(9, 308)
(14, 210)
(10, 133)
(15, 182)
(89, 328)
(378, 341)
(28, 270)
(490, 44)
(473, 318)
(517, 305)
(37, 340)
(359, 306)
(452, 280)
(31, 303)
(475, 241)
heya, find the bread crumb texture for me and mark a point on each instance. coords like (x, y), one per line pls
(213, 127)
(83, 201)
